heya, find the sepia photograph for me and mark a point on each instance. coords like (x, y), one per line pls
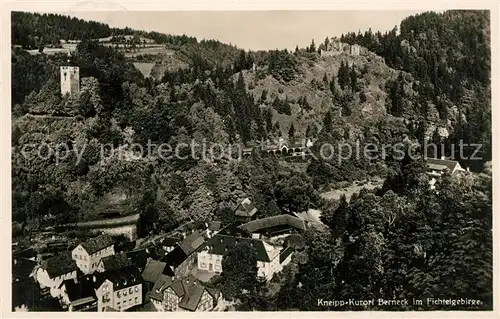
(270, 161)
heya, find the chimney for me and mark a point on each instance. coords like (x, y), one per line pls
(443, 157)
(75, 280)
(468, 169)
(94, 278)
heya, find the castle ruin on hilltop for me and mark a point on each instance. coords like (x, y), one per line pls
(335, 47)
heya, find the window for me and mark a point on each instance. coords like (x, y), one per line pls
(136, 299)
(118, 294)
(103, 309)
(118, 303)
(125, 292)
(136, 288)
(130, 301)
(124, 302)
(130, 290)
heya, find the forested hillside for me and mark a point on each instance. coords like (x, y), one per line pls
(400, 241)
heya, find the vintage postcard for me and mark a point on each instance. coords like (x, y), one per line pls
(236, 161)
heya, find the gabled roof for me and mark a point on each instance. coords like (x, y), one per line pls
(59, 265)
(191, 300)
(121, 278)
(139, 257)
(245, 209)
(97, 243)
(192, 242)
(116, 261)
(220, 244)
(176, 257)
(154, 269)
(81, 289)
(157, 292)
(274, 221)
(189, 289)
(441, 164)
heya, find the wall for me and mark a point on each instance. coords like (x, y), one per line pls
(206, 302)
(53, 283)
(210, 262)
(120, 299)
(129, 231)
(171, 300)
(70, 79)
(127, 297)
(265, 269)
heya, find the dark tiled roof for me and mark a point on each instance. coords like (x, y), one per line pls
(98, 243)
(214, 226)
(274, 221)
(59, 265)
(233, 229)
(246, 209)
(176, 257)
(285, 253)
(192, 242)
(153, 270)
(84, 288)
(121, 278)
(139, 258)
(191, 300)
(22, 267)
(189, 289)
(166, 241)
(157, 292)
(441, 164)
(219, 245)
(116, 261)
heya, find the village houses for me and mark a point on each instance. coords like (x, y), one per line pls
(88, 254)
(186, 294)
(54, 271)
(270, 259)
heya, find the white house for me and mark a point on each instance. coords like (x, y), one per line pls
(119, 289)
(270, 259)
(54, 271)
(436, 167)
(87, 255)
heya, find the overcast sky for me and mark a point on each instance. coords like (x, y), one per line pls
(253, 29)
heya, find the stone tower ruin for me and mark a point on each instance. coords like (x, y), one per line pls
(70, 79)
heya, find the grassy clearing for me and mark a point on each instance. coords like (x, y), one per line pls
(351, 189)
